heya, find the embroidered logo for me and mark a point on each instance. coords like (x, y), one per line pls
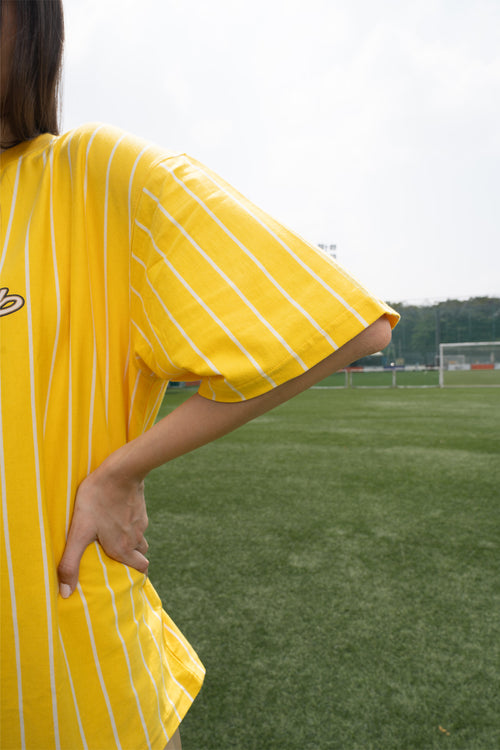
(9, 303)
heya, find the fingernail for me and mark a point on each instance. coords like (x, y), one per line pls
(65, 590)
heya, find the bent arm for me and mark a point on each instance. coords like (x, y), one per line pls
(198, 421)
(110, 505)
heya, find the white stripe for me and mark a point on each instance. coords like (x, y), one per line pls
(186, 692)
(155, 613)
(131, 408)
(69, 489)
(75, 702)
(130, 194)
(228, 281)
(148, 342)
(152, 382)
(229, 385)
(69, 160)
(10, 573)
(211, 313)
(124, 647)
(11, 215)
(153, 410)
(283, 244)
(98, 666)
(127, 358)
(148, 603)
(105, 266)
(130, 183)
(57, 288)
(94, 354)
(235, 390)
(85, 177)
(176, 636)
(214, 397)
(153, 681)
(252, 257)
(39, 491)
(69, 493)
(177, 325)
(92, 388)
(165, 691)
(174, 367)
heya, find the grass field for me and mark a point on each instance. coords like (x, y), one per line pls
(336, 565)
(414, 379)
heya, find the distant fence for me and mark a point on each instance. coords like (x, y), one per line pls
(404, 376)
(410, 376)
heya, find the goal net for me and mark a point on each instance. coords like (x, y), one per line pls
(473, 363)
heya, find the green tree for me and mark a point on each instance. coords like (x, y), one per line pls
(423, 327)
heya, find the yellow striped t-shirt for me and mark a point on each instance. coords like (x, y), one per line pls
(122, 267)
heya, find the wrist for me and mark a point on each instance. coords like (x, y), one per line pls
(120, 468)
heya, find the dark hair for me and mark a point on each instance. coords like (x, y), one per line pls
(30, 102)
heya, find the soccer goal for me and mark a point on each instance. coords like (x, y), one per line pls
(475, 363)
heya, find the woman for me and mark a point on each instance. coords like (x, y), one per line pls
(123, 266)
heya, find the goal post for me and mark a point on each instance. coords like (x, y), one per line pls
(475, 363)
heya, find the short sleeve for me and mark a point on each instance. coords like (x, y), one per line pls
(224, 294)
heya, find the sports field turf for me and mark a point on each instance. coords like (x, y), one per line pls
(417, 379)
(336, 563)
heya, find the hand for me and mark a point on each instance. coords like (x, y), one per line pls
(110, 509)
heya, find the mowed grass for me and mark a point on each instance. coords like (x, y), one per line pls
(415, 379)
(336, 563)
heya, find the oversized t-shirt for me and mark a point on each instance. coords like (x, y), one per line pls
(122, 267)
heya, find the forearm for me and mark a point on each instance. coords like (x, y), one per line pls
(109, 505)
(198, 421)
(194, 423)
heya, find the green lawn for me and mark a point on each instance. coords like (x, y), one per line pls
(414, 379)
(336, 565)
(472, 377)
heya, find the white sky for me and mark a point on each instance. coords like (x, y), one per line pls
(371, 124)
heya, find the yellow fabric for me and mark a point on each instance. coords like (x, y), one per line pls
(123, 266)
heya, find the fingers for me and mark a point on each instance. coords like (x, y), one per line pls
(80, 536)
(111, 512)
(142, 546)
(138, 561)
(133, 557)
(76, 545)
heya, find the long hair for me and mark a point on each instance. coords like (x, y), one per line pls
(30, 101)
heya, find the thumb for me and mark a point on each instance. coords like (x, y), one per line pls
(138, 561)
(79, 538)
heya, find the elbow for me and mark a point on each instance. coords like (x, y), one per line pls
(376, 337)
(383, 333)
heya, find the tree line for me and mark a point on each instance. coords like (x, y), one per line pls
(416, 338)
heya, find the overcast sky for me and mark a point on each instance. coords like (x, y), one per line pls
(371, 124)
